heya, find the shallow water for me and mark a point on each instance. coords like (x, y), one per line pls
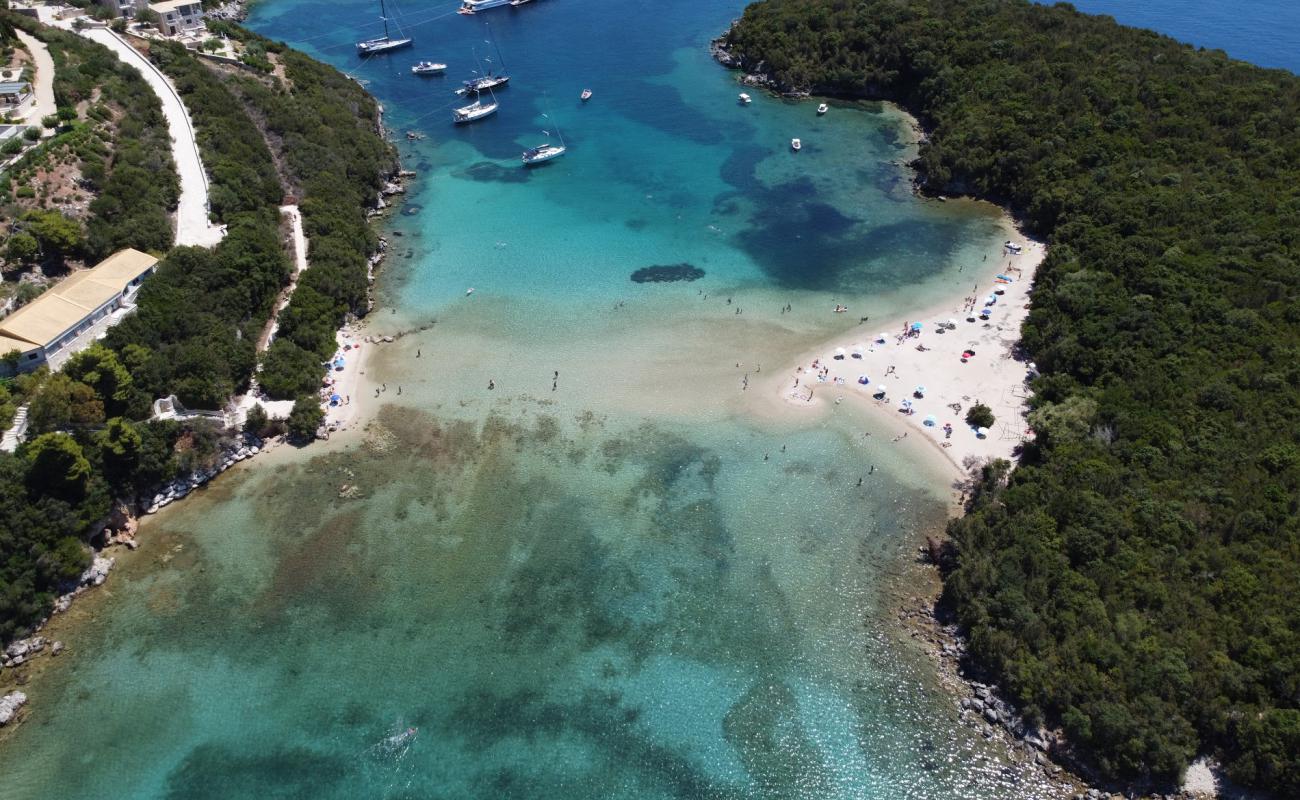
(625, 583)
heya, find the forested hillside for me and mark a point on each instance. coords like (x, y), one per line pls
(1135, 579)
(197, 321)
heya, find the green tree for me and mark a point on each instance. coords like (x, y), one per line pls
(22, 247)
(56, 464)
(120, 445)
(99, 368)
(61, 402)
(58, 235)
(305, 419)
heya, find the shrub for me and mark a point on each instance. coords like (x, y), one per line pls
(980, 416)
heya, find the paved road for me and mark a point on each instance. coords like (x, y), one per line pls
(192, 226)
(44, 82)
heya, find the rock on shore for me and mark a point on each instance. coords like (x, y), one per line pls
(9, 705)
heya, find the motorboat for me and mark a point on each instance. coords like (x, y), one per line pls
(428, 68)
(520, 2)
(745, 99)
(474, 111)
(822, 109)
(586, 95)
(472, 6)
(796, 145)
(385, 43)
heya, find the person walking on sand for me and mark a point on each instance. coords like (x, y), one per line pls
(417, 352)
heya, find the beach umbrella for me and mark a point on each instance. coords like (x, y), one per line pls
(864, 380)
(880, 394)
(920, 391)
(882, 337)
(930, 421)
(982, 433)
(858, 351)
(335, 399)
(952, 323)
(839, 352)
(916, 326)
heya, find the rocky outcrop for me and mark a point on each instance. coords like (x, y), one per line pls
(9, 705)
(95, 575)
(181, 487)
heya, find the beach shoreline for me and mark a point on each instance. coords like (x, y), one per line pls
(888, 355)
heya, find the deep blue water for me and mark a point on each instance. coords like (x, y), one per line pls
(1263, 32)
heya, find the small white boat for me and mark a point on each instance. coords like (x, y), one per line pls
(519, 2)
(822, 109)
(474, 111)
(745, 99)
(471, 6)
(428, 68)
(796, 145)
(586, 95)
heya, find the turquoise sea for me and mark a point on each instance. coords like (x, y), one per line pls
(636, 580)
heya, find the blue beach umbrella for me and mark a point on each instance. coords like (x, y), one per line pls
(864, 380)
(916, 326)
(930, 421)
(335, 399)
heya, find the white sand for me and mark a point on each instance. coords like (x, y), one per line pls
(350, 382)
(991, 376)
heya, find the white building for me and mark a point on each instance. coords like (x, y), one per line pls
(67, 317)
(124, 8)
(176, 17)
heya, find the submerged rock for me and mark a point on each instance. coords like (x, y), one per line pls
(667, 273)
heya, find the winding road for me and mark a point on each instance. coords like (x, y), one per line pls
(192, 225)
(43, 85)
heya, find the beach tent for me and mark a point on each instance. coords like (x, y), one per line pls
(930, 421)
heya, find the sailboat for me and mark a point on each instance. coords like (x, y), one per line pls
(383, 44)
(488, 80)
(545, 152)
(474, 111)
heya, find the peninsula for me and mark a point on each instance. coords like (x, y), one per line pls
(1131, 583)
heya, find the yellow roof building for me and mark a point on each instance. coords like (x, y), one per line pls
(67, 305)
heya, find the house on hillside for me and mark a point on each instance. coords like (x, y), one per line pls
(178, 17)
(71, 315)
(123, 8)
(14, 93)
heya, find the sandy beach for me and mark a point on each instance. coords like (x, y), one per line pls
(927, 378)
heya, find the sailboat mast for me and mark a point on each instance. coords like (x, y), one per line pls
(496, 47)
(383, 15)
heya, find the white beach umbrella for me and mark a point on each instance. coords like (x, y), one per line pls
(839, 351)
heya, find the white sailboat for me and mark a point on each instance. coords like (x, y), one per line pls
(545, 152)
(475, 111)
(382, 44)
(489, 79)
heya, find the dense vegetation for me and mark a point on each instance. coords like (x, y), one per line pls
(323, 124)
(195, 329)
(199, 317)
(113, 138)
(1134, 580)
